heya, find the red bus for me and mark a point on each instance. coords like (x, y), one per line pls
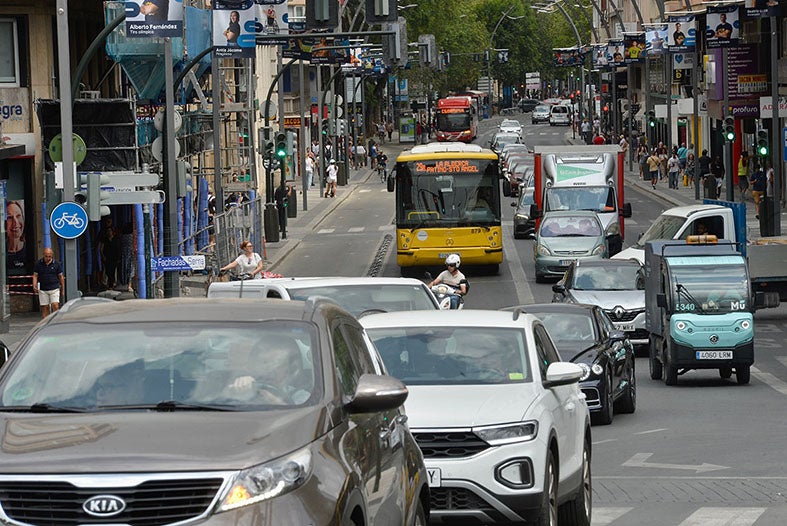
(457, 119)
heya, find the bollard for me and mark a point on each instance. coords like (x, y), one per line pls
(292, 204)
(271, 221)
(341, 176)
(767, 218)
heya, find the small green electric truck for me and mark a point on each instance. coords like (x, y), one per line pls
(700, 308)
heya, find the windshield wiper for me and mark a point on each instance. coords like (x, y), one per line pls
(173, 405)
(683, 290)
(42, 408)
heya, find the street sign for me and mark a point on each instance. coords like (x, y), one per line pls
(132, 198)
(68, 220)
(177, 263)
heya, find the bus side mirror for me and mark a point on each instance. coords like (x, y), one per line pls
(391, 182)
(661, 300)
(766, 300)
(506, 188)
(535, 213)
(626, 210)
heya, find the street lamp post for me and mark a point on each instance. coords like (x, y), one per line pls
(489, 57)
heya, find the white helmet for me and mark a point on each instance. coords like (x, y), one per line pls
(453, 259)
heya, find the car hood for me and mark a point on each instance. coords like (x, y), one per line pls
(631, 252)
(609, 299)
(576, 244)
(430, 406)
(146, 441)
(568, 349)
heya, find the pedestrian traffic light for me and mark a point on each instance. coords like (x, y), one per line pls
(728, 129)
(92, 198)
(280, 148)
(652, 118)
(762, 143)
(325, 125)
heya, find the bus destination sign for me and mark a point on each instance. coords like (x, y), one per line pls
(452, 166)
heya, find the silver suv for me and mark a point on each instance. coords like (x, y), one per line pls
(503, 427)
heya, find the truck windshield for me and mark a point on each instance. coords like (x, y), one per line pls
(595, 199)
(665, 227)
(710, 288)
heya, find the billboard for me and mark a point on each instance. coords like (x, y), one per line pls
(723, 26)
(568, 57)
(681, 34)
(154, 18)
(761, 8)
(234, 29)
(634, 48)
(656, 38)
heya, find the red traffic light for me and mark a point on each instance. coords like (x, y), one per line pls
(606, 108)
(578, 92)
(571, 95)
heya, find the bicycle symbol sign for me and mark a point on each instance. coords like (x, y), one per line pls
(68, 220)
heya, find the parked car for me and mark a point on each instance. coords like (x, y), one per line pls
(565, 236)
(524, 225)
(615, 285)
(560, 115)
(356, 295)
(487, 405)
(540, 114)
(196, 411)
(584, 335)
(527, 105)
(510, 126)
(500, 139)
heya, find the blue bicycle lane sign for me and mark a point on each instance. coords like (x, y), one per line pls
(68, 220)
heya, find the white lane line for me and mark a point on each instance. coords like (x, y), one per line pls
(651, 431)
(523, 292)
(385, 228)
(782, 359)
(326, 231)
(605, 441)
(770, 380)
(602, 516)
(724, 517)
(631, 222)
(356, 229)
(363, 190)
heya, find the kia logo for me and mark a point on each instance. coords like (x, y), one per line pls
(104, 505)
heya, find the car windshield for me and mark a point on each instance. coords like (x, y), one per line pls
(608, 277)
(526, 199)
(453, 355)
(569, 226)
(566, 329)
(595, 199)
(541, 109)
(665, 227)
(716, 285)
(227, 366)
(356, 299)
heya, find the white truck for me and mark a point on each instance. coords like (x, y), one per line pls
(767, 256)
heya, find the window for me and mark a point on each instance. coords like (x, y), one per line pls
(546, 351)
(9, 62)
(298, 11)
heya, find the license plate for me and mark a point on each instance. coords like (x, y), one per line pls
(714, 355)
(565, 262)
(435, 480)
(625, 327)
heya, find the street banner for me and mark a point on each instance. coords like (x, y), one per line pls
(634, 48)
(154, 18)
(600, 57)
(615, 52)
(723, 26)
(655, 39)
(568, 57)
(761, 8)
(681, 34)
(682, 61)
(234, 29)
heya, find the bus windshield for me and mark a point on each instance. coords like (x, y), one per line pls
(595, 199)
(447, 192)
(453, 122)
(709, 288)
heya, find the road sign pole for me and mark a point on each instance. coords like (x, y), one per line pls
(67, 131)
(171, 280)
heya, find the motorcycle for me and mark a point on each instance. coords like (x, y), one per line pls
(443, 293)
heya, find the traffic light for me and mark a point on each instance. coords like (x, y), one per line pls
(322, 14)
(268, 149)
(378, 11)
(652, 118)
(93, 199)
(728, 129)
(325, 126)
(183, 178)
(762, 143)
(280, 149)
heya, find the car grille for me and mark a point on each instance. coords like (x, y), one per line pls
(458, 499)
(570, 252)
(638, 334)
(592, 397)
(152, 503)
(626, 315)
(449, 444)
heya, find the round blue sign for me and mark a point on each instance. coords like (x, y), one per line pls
(68, 220)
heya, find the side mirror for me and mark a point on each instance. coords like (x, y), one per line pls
(640, 235)
(661, 300)
(617, 336)
(5, 353)
(376, 393)
(562, 373)
(535, 213)
(506, 188)
(626, 210)
(559, 288)
(766, 300)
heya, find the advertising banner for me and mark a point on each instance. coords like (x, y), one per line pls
(154, 18)
(568, 57)
(761, 8)
(634, 48)
(744, 78)
(723, 26)
(655, 39)
(234, 29)
(615, 52)
(600, 57)
(681, 34)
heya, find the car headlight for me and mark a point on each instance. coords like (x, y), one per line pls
(541, 250)
(263, 482)
(595, 369)
(523, 217)
(745, 324)
(681, 325)
(614, 229)
(598, 250)
(507, 433)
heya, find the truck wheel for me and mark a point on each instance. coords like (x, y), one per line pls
(671, 376)
(656, 368)
(743, 374)
(725, 372)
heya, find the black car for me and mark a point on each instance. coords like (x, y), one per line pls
(584, 335)
(524, 225)
(205, 411)
(527, 105)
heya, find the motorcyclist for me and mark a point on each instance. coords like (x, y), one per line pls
(453, 278)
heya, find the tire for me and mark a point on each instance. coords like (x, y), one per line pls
(725, 372)
(671, 371)
(607, 413)
(628, 402)
(547, 513)
(493, 270)
(743, 374)
(420, 515)
(540, 278)
(656, 367)
(578, 511)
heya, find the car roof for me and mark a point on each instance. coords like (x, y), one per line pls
(631, 262)
(552, 307)
(336, 281)
(571, 213)
(444, 318)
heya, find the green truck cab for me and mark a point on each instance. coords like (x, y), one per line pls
(700, 308)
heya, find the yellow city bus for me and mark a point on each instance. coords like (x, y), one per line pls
(447, 201)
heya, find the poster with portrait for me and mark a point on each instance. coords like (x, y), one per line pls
(234, 29)
(273, 20)
(681, 34)
(655, 39)
(568, 57)
(761, 8)
(634, 48)
(600, 57)
(15, 237)
(615, 52)
(723, 26)
(154, 18)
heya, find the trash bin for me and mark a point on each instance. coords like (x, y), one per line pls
(766, 217)
(292, 204)
(271, 223)
(341, 177)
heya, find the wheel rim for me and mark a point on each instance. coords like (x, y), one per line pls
(633, 385)
(552, 495)
(587, 486)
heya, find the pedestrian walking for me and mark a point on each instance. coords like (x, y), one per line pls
(653, 167)
(48, 282)
(389, 130)
(691, 169)
(310, 168)
(673, 167)
(758, 188)
(743, 175)
(717, 169)
(330, 179)
(642, 161)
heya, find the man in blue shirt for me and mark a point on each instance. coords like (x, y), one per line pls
(48, 282)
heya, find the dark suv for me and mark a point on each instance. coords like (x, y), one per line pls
(207, 412)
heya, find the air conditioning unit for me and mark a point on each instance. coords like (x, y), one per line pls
(89, 94)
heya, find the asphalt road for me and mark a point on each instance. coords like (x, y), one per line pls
(704, 453)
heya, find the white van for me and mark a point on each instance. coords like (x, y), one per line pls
(560, 114)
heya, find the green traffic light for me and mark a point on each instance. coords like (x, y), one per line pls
(281, 154)
(652, 124)
(730, 136)
(762, 150)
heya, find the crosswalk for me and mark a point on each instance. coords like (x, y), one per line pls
(668, 516)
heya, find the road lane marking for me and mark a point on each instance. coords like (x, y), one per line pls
(724, 517)
(770, 380)
(356, 229)
(602, 516)
(326, 231)
(605, 441)
(524, 293)
(385, 228)
(651, 431)
(363, 190)
(782, 359)
(639, 461)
